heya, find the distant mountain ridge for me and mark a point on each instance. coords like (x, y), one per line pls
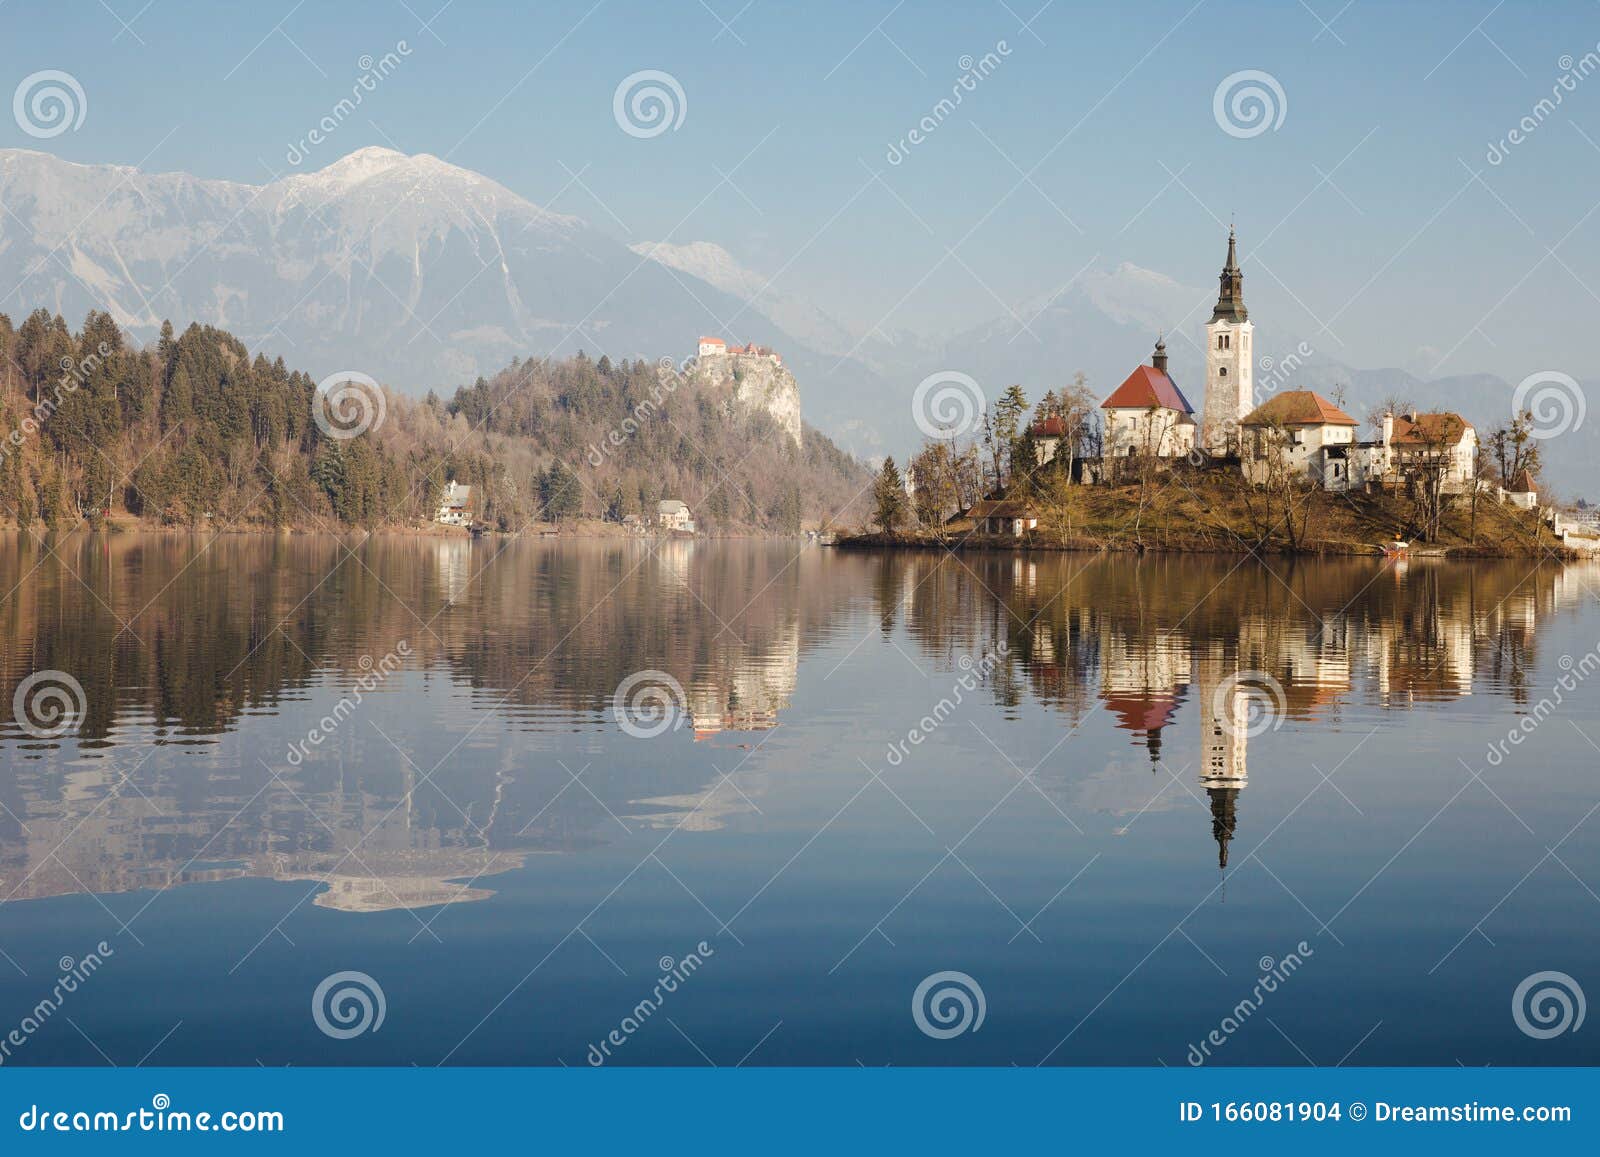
(426, 275)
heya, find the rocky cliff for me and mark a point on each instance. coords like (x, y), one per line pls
(756, 383)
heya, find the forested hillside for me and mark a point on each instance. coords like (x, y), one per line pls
(193, 430)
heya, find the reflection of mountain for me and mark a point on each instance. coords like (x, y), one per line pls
(174, 645)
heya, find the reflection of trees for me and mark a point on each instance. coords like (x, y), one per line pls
(173, 644)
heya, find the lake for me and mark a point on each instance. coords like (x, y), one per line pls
(303, 800)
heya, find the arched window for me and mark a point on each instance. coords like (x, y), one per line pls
(1222, 372)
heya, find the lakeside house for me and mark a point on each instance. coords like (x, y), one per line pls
(1003, 516)
(674, 514)
(455, 506)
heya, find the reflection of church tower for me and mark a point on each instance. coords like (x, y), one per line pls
(1224, 817)
(1224, 717)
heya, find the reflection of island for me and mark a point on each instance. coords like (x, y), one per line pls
(1149, 640)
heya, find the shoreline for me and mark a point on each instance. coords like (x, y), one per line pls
(999, 544)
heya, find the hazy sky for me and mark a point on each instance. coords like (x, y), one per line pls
(1371, 219)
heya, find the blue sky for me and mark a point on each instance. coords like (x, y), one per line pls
(1362, 224)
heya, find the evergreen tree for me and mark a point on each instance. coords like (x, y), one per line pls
(889, 497)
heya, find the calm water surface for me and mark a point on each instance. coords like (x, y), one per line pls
(1111, 792)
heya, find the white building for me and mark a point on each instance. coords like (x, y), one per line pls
(455, 506)
(712, 347)
(1420, 443)
(1147, 415)
(1230, 376)
(671, 514)
(1305, 431)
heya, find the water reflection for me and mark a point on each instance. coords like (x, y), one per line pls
(203, 663)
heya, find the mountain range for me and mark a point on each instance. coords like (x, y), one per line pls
(425, 275)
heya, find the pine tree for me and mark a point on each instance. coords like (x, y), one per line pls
(889, 496)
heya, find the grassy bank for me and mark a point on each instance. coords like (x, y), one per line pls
(1207, 513)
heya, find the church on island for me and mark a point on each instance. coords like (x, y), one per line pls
(1295, 434)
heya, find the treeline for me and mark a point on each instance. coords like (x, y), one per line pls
(192, 430)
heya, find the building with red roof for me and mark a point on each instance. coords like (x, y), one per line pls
(1147, 415)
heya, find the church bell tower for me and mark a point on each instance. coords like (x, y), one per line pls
(1230, 377)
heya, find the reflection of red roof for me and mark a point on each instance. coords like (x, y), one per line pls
(1148, 711)
(1050, 428)
(1147, 387)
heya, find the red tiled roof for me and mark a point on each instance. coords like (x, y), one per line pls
(712, 341)
(1443, 429)
(1050, 428)
(1524, 483)
(1298, 408)
(1146, 387)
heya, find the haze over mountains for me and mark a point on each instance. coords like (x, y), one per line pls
(425, 275)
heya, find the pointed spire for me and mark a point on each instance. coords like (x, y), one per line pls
(1159, 358)
(1230, 298)
(1224, 819)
